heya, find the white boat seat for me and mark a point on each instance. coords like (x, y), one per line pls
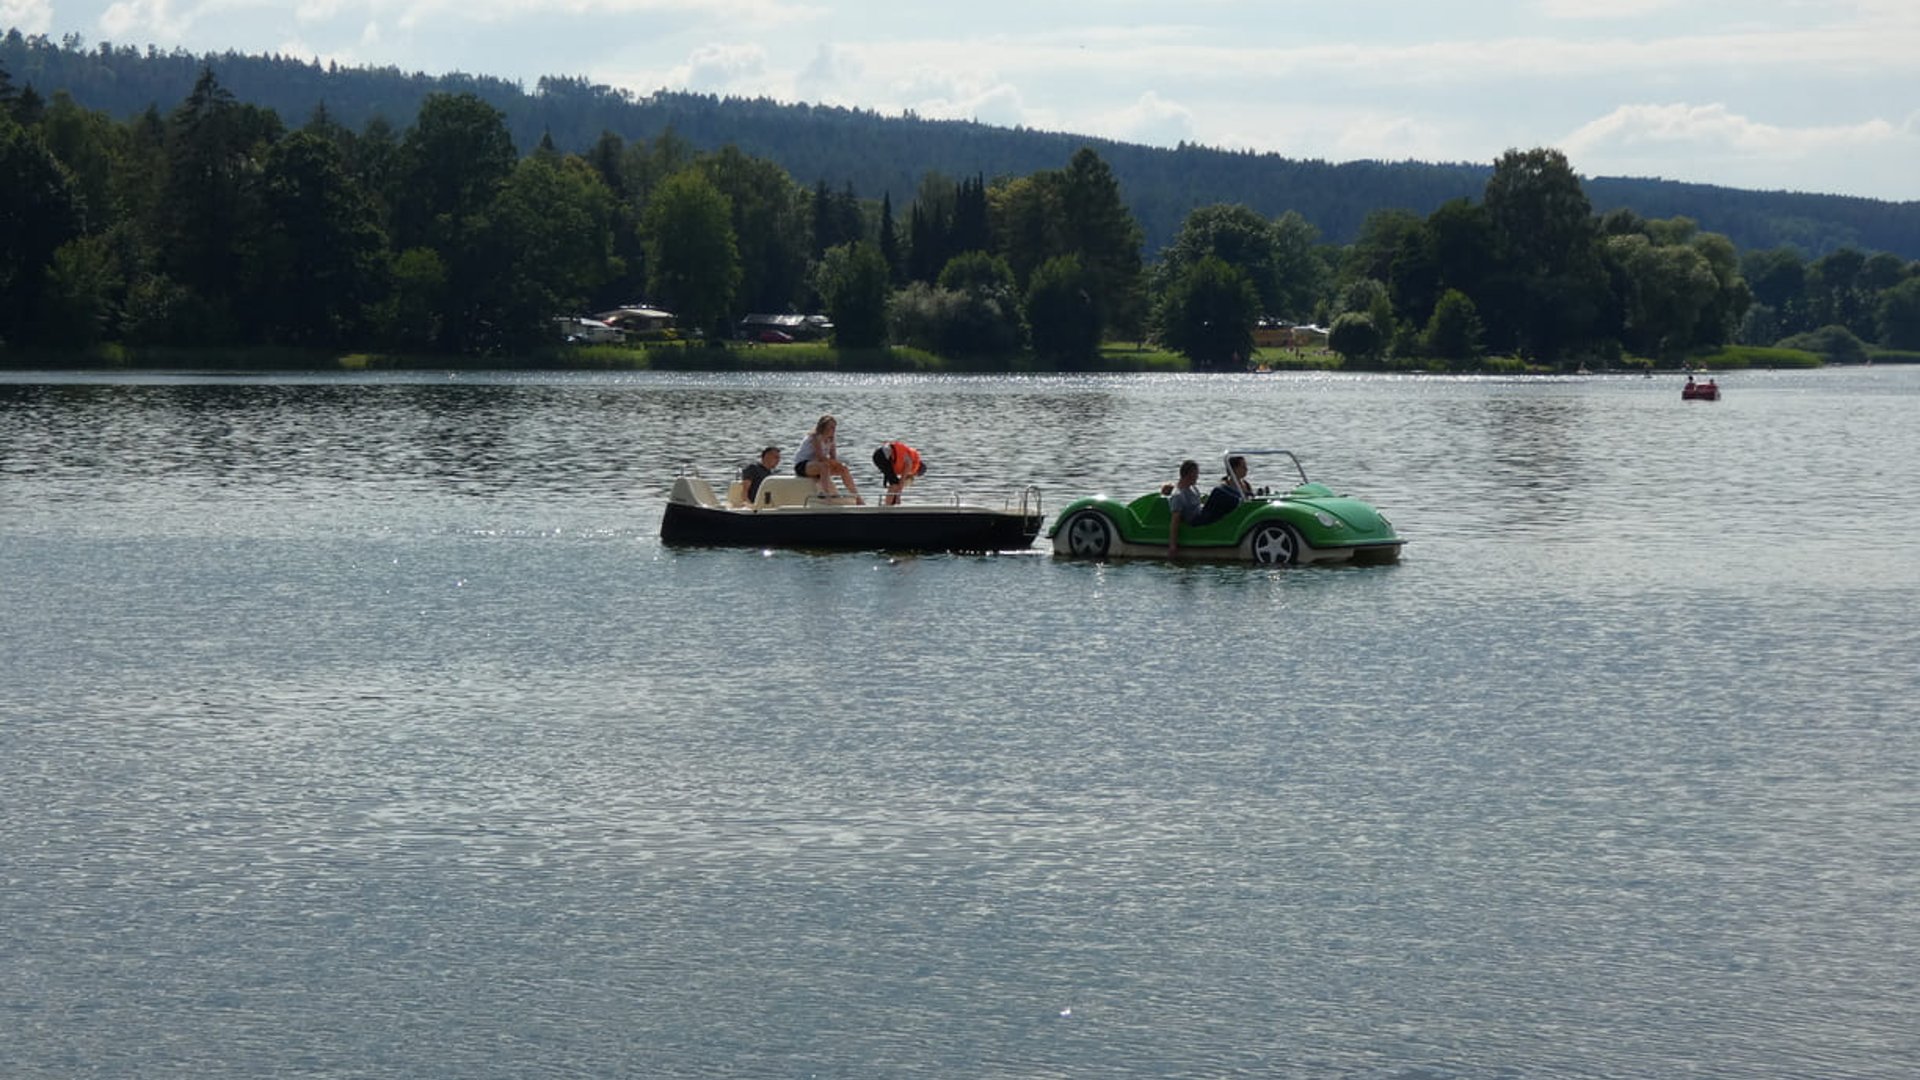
(785, 491)
(694, 490)
(737, 494)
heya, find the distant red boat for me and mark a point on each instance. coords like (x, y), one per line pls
(1700, 391)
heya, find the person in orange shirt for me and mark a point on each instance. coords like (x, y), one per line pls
(899, 465)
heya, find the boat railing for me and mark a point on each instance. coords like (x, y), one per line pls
(1030, 502)
(1024, 501)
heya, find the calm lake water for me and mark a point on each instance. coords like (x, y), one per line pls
(362, 727)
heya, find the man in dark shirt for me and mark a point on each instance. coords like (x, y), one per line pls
(760, 470)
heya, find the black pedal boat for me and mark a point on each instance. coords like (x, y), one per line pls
(790, 512)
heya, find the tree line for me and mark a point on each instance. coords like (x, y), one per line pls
(873, 154)
(214, 224)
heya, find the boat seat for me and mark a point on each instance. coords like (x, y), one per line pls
(694, 490)
(737, 494)
(1151, 509)
(785, 491)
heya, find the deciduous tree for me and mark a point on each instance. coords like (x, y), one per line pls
(856, 289)
(1898, 315)
(984, 320)
(693, 260)
(1550, 291)
(769, 227)
(1355, 337)
(41, 212)
(1300, 267)
(453, 160)
(1063, 317)
(1235, 234)
(550, 243)
(1207, 315)
(313, 256)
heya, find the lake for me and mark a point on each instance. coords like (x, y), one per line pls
(361, 726)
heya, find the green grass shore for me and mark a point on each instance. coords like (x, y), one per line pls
(1115, 357)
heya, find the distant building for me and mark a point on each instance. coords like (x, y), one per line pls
(575, 328)
(1277, 334)
(635, 318)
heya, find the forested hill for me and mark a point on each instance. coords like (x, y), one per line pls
(878, 155)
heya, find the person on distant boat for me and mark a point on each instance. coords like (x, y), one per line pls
(818, 459)
(1183, 502)
(760, 470)
(899, 464)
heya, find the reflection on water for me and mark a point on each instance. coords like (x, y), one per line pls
(362, 726)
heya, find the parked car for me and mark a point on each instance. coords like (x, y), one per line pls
(775, 337)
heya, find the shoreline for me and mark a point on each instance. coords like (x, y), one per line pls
(1114, 359)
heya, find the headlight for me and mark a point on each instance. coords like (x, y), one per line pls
(1327, 519)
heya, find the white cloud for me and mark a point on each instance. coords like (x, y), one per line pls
(1152, 120)
(831, 69)
(155, 19)
(27, 16)
(1716, 129)
(1603, 9)
(758, 15)
(1714, 144)
(1000, 105)
(317, 11)
(1387, 137)
(721, 69)
(989, 102)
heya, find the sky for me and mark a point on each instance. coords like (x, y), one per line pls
(1799, 95)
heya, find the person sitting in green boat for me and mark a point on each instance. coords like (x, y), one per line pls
(1236, 478)
(1183, 501)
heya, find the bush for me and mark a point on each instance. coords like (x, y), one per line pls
(1355, 337)
(1454, 332)
(970, 322)
(1835, 344)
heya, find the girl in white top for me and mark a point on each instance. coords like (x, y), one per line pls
(818, 460)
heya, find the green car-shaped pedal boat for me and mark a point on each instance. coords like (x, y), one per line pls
(1306, 524)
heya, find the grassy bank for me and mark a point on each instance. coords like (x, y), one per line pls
(1738, 357)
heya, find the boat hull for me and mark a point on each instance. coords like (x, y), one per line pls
(854, 528)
